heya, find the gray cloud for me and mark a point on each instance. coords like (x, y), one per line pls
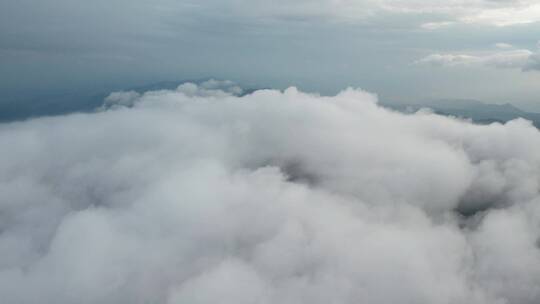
(196, 196)
(533, 63)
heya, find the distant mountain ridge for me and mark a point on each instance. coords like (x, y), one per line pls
(477, 111)
(21, 108)
(47, 105)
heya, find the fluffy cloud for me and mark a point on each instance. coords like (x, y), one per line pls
(205, 195)
(505, 57)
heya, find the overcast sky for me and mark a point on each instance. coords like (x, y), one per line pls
(201, 194)
(402, 50)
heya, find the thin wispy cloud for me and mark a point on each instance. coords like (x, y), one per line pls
(441, 13)
(507, 57)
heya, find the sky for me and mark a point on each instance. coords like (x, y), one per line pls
(405, 51)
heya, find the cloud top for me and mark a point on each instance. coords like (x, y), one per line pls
(205, 195)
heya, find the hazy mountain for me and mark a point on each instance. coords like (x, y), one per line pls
(13, 108)
(478, 111)
(20, 108)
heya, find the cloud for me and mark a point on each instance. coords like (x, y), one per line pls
(441, 12)
(507, 13)
(199, 195)
(121, 98)
(436, 25)
(503, 46)
(506, 58)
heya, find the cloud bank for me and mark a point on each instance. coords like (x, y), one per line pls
(506, 57)
(205, 194)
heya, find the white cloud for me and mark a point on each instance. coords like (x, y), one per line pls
(201, 196)
(512, 59)
(503, 46)
(515, 12)
(436, 25)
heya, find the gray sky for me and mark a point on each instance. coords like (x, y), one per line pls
(201, 194)
(401, 50)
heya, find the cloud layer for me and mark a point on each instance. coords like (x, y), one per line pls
(438, 12)
(205, 195)
(506, 57)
